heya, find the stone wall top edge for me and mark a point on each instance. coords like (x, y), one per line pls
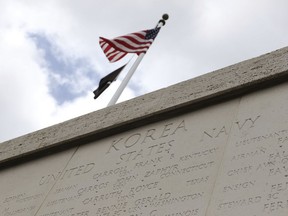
(232, 79)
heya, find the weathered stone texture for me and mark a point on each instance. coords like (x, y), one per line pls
(229, 81)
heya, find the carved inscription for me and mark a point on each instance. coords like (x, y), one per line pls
(255, 171)
(68, 173)
(229, 159)
(156, 171)
(138, 183)
(224, 130)
(20, 204)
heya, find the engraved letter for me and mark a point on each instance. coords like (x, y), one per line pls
(223, 130)
(113, 145)
(149, 134)
(89, 167)
(137, 136)
(167, 128)
(240, 126)
(181, 125)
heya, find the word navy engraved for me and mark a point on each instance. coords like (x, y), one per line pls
(224, 130)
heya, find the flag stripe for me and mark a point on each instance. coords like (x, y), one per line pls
(132, 43)
(118, 47)
(124, 47)
(135, 39)
(117, 57)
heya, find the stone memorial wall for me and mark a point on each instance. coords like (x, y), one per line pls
(222, 152)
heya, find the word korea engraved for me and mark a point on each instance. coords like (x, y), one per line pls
(166, 168)
(136, 180)
(222, 160)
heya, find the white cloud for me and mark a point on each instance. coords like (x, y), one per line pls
(22, 85)
(199, 37)
(86, 104)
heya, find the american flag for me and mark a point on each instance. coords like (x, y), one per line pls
(138, 42)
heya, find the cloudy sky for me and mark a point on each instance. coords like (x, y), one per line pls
(51, 61)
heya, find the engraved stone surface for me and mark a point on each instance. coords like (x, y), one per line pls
(147, 157)
(162, 168)
(226, 159)
(157, 169)
(23, 188)
(253, 179)
(228, 81)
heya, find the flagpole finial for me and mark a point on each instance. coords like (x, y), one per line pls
(162, 21)
(165, 16)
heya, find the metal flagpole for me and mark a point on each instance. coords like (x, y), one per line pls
(126, 80)
(133, 68)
